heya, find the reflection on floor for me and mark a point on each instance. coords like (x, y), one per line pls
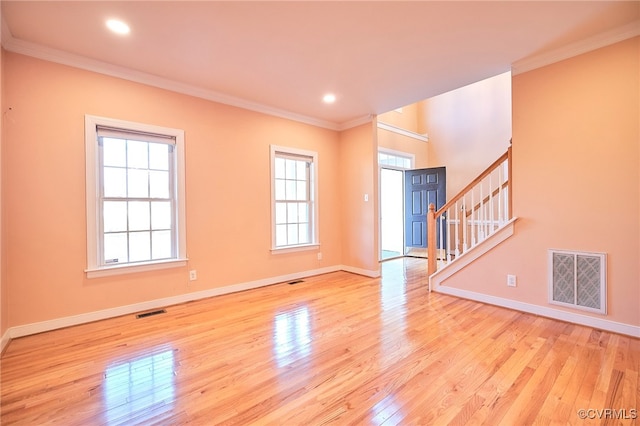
(138, 387)
(338, 348)
(291, 336)
(388, 254)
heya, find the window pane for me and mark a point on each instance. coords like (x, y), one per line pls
(301, 191)
(137, 155)
(139, 246)
(280, 190)
(281, 235)
(161, 244)
(301, 170)
(281, 213)
(137, 193)
(114, 152)
(279, 168)
(114, 214)
(292, 234)
(161, 215)
(159, 156)
(139, 216)
(114, 182)
(394, 160)
(292, 204)
(138, 183)
(290, 169)
(291, 190)
(303, 233)
(158, 184)
(115, 248)
(292, 213)
(303, 212)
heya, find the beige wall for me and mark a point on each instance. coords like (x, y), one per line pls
(468, 128)
(398, 142)
(573, 125)
(227, 181)
(407, 119)
(358, 176)
(576, 161)
(3, 296)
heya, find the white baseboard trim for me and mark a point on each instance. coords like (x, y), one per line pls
(603, 324)
(366, 272)
(39, 327)
(6, 338)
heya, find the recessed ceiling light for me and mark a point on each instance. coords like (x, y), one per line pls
(118, 27)
(329, 98)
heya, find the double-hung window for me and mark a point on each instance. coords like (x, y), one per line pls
(294, 199)
(135, 196)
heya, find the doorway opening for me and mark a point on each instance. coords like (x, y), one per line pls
(405, 194)
(391, 213)
(392, 165)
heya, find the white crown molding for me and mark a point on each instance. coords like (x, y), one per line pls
(355, 122)
(5, 33)
(57, 56)
(404, 132)
(583, 46)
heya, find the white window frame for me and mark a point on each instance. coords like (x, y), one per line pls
(398, 154)
(94, 239)
(313, 196)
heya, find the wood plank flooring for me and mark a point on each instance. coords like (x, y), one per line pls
(337, 348)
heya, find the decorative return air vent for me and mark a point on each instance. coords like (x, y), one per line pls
(578, 280)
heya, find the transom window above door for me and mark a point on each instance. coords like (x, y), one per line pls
(396, 159)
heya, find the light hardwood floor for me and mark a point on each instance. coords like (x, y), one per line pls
(337, 348)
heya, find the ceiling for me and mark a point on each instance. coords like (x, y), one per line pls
(282, 57)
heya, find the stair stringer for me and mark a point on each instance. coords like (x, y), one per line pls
(437, 278)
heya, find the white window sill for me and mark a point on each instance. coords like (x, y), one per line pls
(292, 249)
(106, 271)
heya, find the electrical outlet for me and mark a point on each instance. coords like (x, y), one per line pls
(511, 280)
(193, 275)
(319, 256)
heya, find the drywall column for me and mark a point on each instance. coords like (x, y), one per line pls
(359, 200)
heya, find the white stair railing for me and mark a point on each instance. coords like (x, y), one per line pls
(472, 216)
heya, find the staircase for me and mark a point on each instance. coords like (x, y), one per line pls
(473, 222)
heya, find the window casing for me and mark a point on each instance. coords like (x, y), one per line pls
(293, 199)
(395, 159)
(135, 197)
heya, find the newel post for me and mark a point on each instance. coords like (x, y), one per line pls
(431, 239)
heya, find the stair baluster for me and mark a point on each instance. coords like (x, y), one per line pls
(478, 222)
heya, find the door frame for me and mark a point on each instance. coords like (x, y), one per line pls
(400, 154)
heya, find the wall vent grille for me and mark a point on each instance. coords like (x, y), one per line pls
(578, 280)
(150, 314)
